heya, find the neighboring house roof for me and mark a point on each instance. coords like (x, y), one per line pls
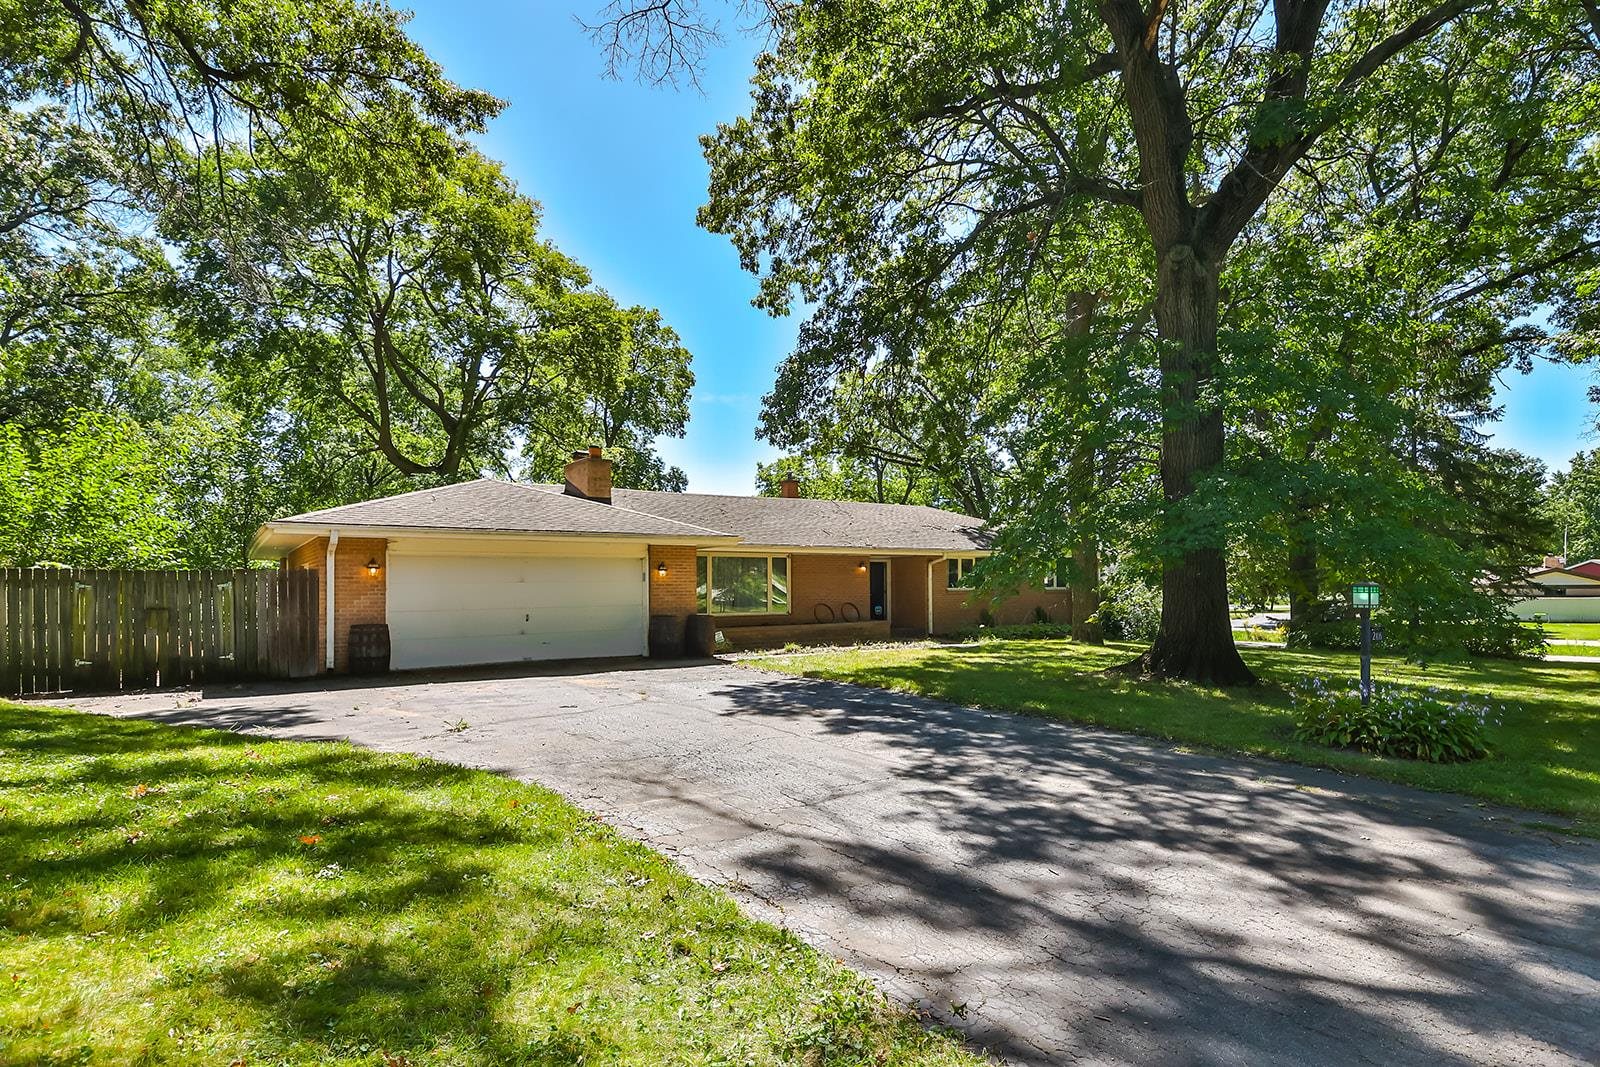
(491, 506)
(801, 522)
(1562, 576)
(1589, 568)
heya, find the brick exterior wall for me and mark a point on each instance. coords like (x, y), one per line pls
(838, 633)
(674, 594)
(837, 580)
(357, 596)
(908, 594)
(956, 609)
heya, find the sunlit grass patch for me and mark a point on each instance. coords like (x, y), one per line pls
(170, 894)
(1545, 750)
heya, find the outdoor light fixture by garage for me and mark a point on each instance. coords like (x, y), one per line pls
(862, 566)
(372, 567)
(661, 570)
(1364, 596)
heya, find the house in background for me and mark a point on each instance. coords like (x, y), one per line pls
(1559, 593)
(499, 572)
(1589, 568)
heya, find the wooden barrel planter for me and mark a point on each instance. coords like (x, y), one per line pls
(702, 639)
(369, 648)
(666, 636)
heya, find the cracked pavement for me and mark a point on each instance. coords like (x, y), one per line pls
(1061, 894)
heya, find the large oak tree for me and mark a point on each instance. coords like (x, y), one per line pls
(896, 148)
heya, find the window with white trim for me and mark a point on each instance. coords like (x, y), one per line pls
(958, 572)
(1057, 576)
(742, 585)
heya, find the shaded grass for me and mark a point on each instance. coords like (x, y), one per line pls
(1546, 751)
(171, 894)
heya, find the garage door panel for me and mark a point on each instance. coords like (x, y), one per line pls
(459, 610)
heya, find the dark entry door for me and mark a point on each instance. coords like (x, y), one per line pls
(878, 588)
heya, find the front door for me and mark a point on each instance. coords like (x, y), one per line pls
(878, 588)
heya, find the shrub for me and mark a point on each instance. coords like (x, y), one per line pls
(1428, 724)
(1026, 631)
(1130, 611)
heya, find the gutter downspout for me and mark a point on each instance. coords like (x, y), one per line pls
(333, 543)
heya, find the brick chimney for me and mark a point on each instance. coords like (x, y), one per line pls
(789, 487)
(589, 476)
(1555, 562)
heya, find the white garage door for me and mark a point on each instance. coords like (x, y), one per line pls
(449, 611)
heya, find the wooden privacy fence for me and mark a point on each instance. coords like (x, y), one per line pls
(107, 630)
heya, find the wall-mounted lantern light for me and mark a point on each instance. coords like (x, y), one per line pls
(372, 567)
(862, 566)
(661, 570)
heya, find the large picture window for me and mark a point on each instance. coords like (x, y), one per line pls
(743, 585)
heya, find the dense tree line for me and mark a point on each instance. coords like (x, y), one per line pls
(250, 265)
(1186, 287)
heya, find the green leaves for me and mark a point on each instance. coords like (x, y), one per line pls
(1415, 724)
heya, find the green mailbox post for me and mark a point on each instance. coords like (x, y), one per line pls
(1364, 596)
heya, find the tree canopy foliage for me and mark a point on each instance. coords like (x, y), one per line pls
(247, 248)
(1311, 234)
(1572, 508)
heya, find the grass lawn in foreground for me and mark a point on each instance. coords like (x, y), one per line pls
(170, 895)
(1546, 752)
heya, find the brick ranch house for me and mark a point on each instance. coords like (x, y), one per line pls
(499, 572)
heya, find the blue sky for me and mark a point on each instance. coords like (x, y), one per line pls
(618, 169)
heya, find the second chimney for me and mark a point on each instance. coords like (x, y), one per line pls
(589, 476)
(789, 487)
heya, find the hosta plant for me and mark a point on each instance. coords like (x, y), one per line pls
(1421, 724)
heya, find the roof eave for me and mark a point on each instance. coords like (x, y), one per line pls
(856, 550)
(274, 540)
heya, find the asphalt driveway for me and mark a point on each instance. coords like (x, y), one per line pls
(1063, 894)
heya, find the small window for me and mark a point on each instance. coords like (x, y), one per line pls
(1057, 578)
(225, 620)
(959, 573)
(743, 585)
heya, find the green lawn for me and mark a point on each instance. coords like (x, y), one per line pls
(180, 895)
(1257, 633)
(1572, 631)
(1547, 751)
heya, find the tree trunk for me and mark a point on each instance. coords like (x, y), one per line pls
(1195, 640)
(1305, 587)
(1086, 593)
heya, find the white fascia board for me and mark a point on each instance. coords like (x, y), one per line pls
(277, 539)
(745, 548)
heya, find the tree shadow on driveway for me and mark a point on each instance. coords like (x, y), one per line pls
(1111, 897)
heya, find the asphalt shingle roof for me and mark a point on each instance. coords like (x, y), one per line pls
(510, 507)
(807, 523)
(501, 507)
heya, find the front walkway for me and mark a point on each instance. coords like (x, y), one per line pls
(1063, 894)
